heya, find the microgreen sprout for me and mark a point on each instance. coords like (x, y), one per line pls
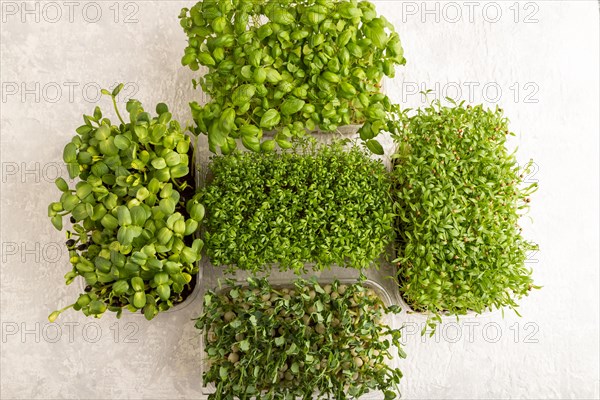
(305, 340)
(459, 194)
(289, 66)
(318, 204)
(133, 212)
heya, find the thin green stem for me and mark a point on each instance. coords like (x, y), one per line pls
(114, 100)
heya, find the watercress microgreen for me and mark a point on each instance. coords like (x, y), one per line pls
(313, 204)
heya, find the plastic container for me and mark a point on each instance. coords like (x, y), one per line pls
(213, 276)
(215, 281)
(188, 300)
(203, 155)
(445, 316)
(203, 160)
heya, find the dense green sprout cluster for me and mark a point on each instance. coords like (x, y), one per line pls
(133, 212)
(324, 205)
(459, 195)
(289, 66)
(271, 342)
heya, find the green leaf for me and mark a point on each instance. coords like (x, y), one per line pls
(73, 169)
(223, 374)
(120, 287)
(295, 368)
(70, 153)
(284, 144)
(279, 341)
(162, 108)
(167, 206)
(197, 212)
(57, 222)
(227, 120)
(250, 130)
(270, 119)
(53, 316)
(251, 143)
(164, 292)
(109, 222)
(272, 76)
(330, 77)
(141, 132)
(375, 146)
(150, 311)
(264, 31)
(282, 17)
(291, 106)
(102, 133)
(122, 142)
(376, 33)
(259, 75)
(159, 163)
(138, 215)
(97, 307)
(243, 95)
(117, 90)
(205, 58)
(267, 146)
(179, 171)
(139, 300)
(172, 158)
(158, 132)
(61, 184)
(216, 135)
(315, 18)
(197, 245)
(124, 215)
(164, 235)
(349, 11)
(83, 190)
(244, 345)
(137, 284)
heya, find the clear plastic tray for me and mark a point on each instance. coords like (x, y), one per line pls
(381, 279)
(446, 317)
(188, 300)
(203, 154)
(384, 288)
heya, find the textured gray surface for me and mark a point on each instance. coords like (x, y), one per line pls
(547, 72)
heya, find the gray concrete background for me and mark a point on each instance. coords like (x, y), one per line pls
(537, 59)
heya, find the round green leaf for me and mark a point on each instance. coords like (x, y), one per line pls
(139, 299)
(270, 119)
(164, 292)
(159, 163)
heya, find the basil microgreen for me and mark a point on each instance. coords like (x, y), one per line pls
(283, 65)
